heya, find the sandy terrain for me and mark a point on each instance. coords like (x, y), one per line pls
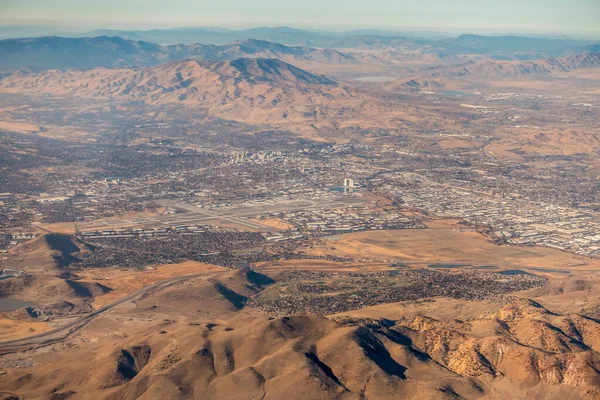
(274, 222)
(68, 228)
(14, 329)
(455, 143)
(20, 127)
(123, 282)
(444, 242)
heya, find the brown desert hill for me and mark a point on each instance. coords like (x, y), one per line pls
(219, 294)
(238, 285)
(574, 294)
(496, 70)
(198, 339)
(521, 342)
(262, 92)
(251, 90)
(305, 356)
(194, 83)
(16, 285)
(67, 248)
(46, 278)
(88, 289)
(522, 350)
(195, 80)
(268, 69)
(49, 250)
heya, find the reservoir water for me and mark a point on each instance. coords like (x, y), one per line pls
(11, 304)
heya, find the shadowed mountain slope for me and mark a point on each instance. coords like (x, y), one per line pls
(115, 52)
(522, 349)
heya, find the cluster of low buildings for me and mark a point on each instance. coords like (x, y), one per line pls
(511, 218)
(351, 219)
(260, 156)
(331, 293)
(116, 233)
(8, 240)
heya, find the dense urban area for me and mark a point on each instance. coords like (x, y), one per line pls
(539, 200)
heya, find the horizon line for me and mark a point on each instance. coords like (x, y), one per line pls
(320, 28)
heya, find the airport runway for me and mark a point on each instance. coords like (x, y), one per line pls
(190, 215)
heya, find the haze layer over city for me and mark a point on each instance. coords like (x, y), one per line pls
(309, 200)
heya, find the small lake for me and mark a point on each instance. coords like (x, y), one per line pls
(514, 272)
(10, 304)
(375, 79)
(455, 93)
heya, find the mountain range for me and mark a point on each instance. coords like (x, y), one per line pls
(268, 91)
(489, 70)
(115, 52)
(254, 90)
(503, 46)
(500, 47)
(168, 78)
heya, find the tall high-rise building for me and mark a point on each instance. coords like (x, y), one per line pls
(349, 183)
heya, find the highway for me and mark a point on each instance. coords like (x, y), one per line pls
(63, 332)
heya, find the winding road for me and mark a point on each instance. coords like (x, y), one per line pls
(63, 332)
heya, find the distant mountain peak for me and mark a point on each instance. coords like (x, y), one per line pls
(270, 69)
(491, 70)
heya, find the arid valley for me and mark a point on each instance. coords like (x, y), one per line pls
(283, 213)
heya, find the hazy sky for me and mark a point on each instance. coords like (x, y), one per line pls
(544, 16)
